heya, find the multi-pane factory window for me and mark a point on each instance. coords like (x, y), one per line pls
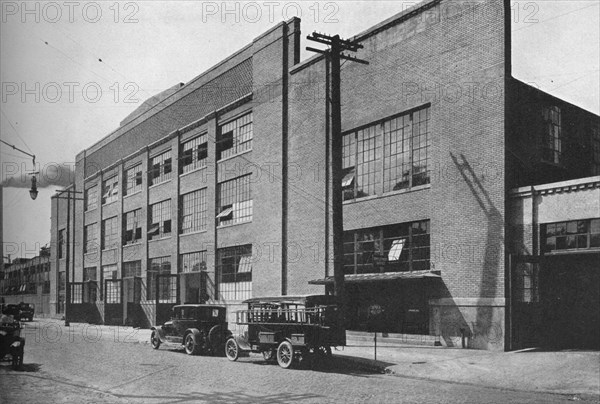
(193, 154)
(395, 248)
(234, 201)
(90, 198)
(61, 243)
(110, 190)
(90, 238)
(405, 157)
(235, 137)
(160, 220)
(109, 272)
(573, 235)
(132, 223)
(133, 178)
(193, 208)
(160, 168)
(192, 262)
(234, 272)
(110, 233)
(159, 266)
(132, 269)
(551, 134)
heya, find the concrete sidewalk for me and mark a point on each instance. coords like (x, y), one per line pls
(564, 372)
(575, 373)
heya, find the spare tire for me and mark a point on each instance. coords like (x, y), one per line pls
(215, 338)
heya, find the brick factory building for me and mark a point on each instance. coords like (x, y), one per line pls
(218, 190)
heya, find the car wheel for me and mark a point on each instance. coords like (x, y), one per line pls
(154, 340)
(232, 349)
(191, 345)
(285, 354)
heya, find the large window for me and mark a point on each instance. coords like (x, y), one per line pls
(193, 208)
(90, 238)
(161, 167)
(132, 223)
(234, 272)
(395, 248)
(551, 134)
(193, 154)
(133, 178)
(109, 272)
(193, 262)
(160, 220)
(110, 190)
(400, 145)
(234, 202)
(235, 137)
(572, 235)
(132, 269)
(90, 198)
(110, 233)
(166, 285)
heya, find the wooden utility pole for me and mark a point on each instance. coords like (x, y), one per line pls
(334, 55)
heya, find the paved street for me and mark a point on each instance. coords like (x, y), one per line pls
(90, 364)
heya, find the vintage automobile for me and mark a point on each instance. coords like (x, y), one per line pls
(287, 328)
(12, 345)
(19, 311)
(200, 328)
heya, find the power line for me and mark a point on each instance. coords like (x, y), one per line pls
(16, 131)
(555, 17)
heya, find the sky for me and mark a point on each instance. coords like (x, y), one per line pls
(71, 71)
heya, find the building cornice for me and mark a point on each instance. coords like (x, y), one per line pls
(579, 184)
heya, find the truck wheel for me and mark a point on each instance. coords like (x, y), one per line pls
(154, 340)
(232, 349)
(285, 354)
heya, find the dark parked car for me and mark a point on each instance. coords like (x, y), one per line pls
(19, 311)
(12, 345)
(200, 328)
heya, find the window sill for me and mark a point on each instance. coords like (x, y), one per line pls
(387, 194)
(109, 203)
(91, 210)
(195, 170)
(109, 249)
(132, 244)
(135, 193)
(160, 183)
(408, 190)
(193, 232)
(159, 239)
(234, 156)
(224, 226)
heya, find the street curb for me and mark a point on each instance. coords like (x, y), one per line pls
(365, 364)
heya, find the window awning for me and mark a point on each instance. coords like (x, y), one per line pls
(245, 264)
(396, 250)
(225, 213)
(379, 277)
(348, 180)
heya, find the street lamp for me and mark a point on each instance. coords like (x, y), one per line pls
(33, 192)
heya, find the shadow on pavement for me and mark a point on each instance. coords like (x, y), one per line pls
(26, 367)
